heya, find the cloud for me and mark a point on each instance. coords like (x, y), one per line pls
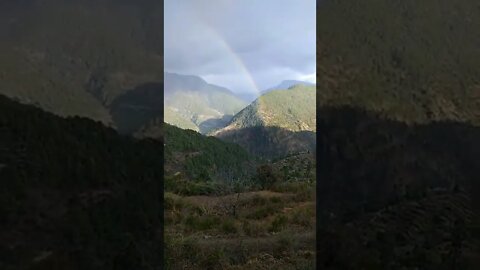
(246, 45)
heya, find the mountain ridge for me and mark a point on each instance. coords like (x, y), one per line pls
(206, 106)
(75, 55)
(286, 84)
(273, 118)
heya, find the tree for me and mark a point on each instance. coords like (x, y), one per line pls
(265, 176)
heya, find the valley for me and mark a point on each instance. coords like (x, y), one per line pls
(373, 167)
(243, 204)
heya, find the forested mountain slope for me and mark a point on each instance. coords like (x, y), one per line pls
(291, 109)
(191, 100)
(75, 194)
(389, 184)
(76, 57)
(278, 123)
(413, 61)
(204, 158)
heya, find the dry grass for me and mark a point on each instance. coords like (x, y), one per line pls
(251, 230)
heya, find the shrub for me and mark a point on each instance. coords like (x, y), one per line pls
(229, 227)
(201, 223)
(278, 223)
(261, 212)
(303, 217)
(213, 259)
(275, 199)
(265, 176)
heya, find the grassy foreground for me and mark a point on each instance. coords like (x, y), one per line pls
(267, 229)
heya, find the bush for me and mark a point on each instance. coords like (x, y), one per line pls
(265, 176)
(229, 227)
(303, 217)
(191, 188)
(201, 223)
(262, 212)
(278, 223)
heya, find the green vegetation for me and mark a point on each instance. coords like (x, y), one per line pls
(248, 230)
(204, 159)
(174, 118)
(396, 194)
(270, 142)
(292, 109)
(76, 194)
(78, 56)
(191, 99)
(413, 61)
(385, 178)
(265, 176)
(279, 123)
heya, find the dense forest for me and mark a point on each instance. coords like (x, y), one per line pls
(398, 114)
(270, 142)
(75, 194)
(80, 55)
(383, 183)
(409, 60)
(204, 160)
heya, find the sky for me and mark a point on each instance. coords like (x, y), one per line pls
(244, 45)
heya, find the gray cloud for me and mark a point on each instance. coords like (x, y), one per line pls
(241, 44)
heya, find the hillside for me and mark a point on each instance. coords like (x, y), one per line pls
(203, 159)
(193, 100)
(296, 167)
(271, 142)
(292, 109)
(286, 84)
(399, 109)
(78, 56)
(137, 107)
(384, 183)
(75, 194)
(277, 123)
(173, 117)
(412, 61)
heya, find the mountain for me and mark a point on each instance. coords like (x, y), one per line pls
(277, 123)
(286, 84)
(137, 107)
(191, 100)
(398, 115)
(387, 190)
(197, 160)
(293, 109)
(75, 194)
(410, 61)
(196, 156)
(78, 56)
(270, 142)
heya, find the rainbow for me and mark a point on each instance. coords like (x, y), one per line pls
(235, 58)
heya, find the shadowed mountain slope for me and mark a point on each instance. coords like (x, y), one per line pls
(388, 181)
(75, 194)
(278, 123)
(408, 60)
(75, 57)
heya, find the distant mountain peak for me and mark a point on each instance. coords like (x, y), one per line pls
(196, 104)
(278, 116)
(193, 78)
(287, 84)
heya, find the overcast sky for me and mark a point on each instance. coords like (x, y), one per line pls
(244, 45)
